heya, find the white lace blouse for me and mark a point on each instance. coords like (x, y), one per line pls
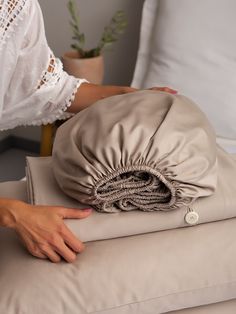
(34, 89)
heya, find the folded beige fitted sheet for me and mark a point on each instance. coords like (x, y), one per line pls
(150, 273)
(145, 150)
(43, 189)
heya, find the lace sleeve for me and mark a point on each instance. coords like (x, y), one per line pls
(11, 12)
(35, 90)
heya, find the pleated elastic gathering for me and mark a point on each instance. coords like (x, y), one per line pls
(137, 188)
(144, 151)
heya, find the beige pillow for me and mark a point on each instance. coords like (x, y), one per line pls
(146, 150)
(152, 273)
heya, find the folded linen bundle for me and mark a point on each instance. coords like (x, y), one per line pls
(145, 151)
(44, 190)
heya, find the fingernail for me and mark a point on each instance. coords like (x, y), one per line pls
(87, 209)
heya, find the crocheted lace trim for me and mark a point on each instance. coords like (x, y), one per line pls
(60, 110)
(52, 75)
(49, 78)
(11, 13)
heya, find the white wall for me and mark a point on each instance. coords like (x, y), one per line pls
(95, 14)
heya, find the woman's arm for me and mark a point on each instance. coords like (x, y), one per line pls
(88, 94)
(42, 230)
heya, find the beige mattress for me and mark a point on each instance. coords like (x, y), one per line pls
(151, 273)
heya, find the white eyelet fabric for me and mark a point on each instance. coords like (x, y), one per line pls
(11, 14)
(52, 74)
(34, 89)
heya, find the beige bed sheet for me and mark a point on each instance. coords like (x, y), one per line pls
(145, 274)
(44, 190)
(228, 307)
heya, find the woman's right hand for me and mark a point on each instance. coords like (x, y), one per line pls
(42, 229)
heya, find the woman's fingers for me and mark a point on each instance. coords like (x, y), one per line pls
(37, 253)
(73, 213)
(31, 247)
(71, 240)
(45, 234)
(164, 89)
(58, 244)
(65, 252)
(50, 253)
(56, 248)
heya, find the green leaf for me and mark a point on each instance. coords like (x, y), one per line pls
(111, 32)
(77, 36)
(82, 39)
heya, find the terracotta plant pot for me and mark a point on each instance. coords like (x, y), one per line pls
(91, 69)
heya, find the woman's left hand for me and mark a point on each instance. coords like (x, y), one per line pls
(164, 89)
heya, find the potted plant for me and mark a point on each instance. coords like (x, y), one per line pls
(89, 63)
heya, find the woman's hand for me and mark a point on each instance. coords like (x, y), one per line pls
(42, 230)
(89, 93)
